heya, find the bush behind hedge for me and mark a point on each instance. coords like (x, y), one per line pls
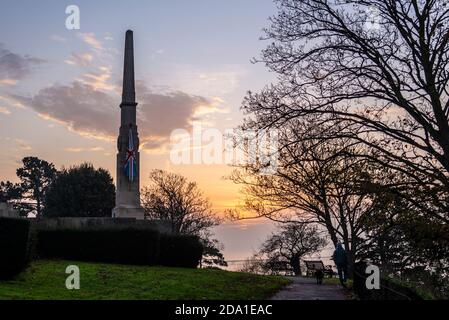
(180, 251)
(14, 253)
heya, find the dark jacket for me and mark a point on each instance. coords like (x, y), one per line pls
(340, 256)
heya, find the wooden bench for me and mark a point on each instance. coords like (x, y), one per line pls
(314, 265)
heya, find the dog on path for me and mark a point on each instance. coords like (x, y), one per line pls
(319, 275)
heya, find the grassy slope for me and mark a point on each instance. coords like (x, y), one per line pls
(46, 280)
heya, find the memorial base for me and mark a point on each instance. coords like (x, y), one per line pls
(128, 212)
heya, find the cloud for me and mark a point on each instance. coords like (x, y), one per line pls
(157, 53)
(108, 36)
(57, 38)
(223, 82)
(78, 106)
(161, 113)
(215, 106)
(99, 80)
(80, 59)
(91, 40)
(23, 145)
(8, 82)
(95, 114)
(210, 82)
(3, 110)
(14, 67)
(77, 150)
(12, 102)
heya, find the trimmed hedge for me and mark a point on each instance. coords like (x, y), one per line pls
(180, 251)
(14, 253)
(124, 246)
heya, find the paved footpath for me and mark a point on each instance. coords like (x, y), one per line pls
(307, 289)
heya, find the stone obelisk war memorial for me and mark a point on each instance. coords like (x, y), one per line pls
(128, 210)
(127, 204)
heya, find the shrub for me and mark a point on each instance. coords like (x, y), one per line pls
(80, 191)
(180, 251)
(124, 246)
(14, 234)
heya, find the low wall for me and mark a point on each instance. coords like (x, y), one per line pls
(99, 223)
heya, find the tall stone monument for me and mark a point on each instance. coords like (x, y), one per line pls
(127, 201)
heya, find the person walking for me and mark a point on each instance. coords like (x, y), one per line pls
(341, 262)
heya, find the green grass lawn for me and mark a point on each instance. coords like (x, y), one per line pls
(46, 280)
(336, 281)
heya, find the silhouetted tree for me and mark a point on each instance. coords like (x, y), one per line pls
(12, 193)
(254, 264)
(9, 191)
(405, 243)
(212, 254)
(171, 197)
(35, 176)
(376, 69)
(81, 191)
(287, 246)
(314, 183)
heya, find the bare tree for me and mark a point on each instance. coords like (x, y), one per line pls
(378, 70)
(319, 183)
(253, 264)
(287, 246)
(171, 197)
